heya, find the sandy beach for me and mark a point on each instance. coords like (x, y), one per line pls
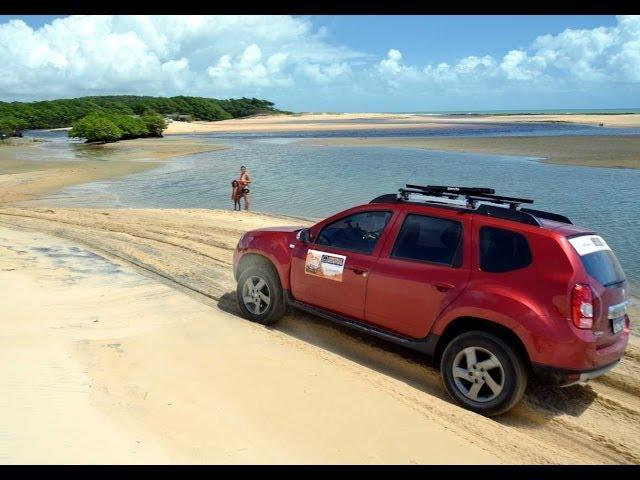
(110, 366)
(122, 343)
(588, 150)
(363, 121)
(592, 151)
(187, 382)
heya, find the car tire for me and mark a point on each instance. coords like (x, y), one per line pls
(492, 385)
(260, 282)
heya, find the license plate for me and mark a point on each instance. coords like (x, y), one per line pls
(617, 324)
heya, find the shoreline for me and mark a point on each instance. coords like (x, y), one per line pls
(30, 170)
(621, 151)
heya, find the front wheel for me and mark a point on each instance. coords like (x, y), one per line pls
(260, 296)
(483, 373)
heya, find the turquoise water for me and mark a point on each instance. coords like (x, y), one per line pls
(315, 181)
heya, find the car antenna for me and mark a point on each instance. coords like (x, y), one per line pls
(411, 176)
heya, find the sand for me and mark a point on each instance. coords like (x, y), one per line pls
(29, 170)
(384, 121)
(593, 151)
(109, 366)
(585, 150)
(121, 343)
(303, 391)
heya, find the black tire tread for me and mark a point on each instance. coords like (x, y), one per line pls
(498, 346)
(278, 306)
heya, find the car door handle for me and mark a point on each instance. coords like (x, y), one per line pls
(358, 271)
(443, 286)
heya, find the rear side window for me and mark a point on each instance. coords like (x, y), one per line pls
(503, 250)
(429, 239)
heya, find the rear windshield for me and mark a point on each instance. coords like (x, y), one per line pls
(598, 260)
(604, 267)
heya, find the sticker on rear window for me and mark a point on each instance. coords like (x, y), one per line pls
(325, 265)
(588, 244)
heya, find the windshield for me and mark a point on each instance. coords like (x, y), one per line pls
(598, 260)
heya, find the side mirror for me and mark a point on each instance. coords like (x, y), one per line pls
(303, 236)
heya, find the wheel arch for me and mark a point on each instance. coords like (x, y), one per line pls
(253, 258)
(467, 323)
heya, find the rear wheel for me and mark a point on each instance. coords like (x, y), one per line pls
(260, 296)
(483, 373)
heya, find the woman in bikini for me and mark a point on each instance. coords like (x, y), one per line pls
(244, 180)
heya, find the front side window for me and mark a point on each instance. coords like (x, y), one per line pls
(359, 232)
(429, 239)
(503, 250)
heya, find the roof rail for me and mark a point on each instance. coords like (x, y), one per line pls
(556, 217)
(479, 199)
(508, 214)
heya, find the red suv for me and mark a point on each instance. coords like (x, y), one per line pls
(492, 291)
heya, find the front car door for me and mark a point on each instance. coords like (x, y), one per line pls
(419, 271)
(332, 271)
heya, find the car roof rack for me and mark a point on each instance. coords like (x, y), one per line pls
(480, 199)
(471, 194)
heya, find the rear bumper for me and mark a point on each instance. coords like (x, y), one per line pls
(573, 350)
(564, 377)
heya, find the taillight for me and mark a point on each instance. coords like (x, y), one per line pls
(582, 306)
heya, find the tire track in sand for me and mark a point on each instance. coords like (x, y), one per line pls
(193, 249)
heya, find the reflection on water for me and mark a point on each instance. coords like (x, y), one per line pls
(316, 181)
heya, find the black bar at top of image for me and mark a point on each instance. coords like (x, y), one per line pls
(307, 7)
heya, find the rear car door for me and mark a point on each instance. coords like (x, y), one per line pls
(332, 271)
(423, 266)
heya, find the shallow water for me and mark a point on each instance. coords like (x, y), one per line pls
(316, 181)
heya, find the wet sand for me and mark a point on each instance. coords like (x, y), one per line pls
(593, 151)
(362, 397)
(29, 170)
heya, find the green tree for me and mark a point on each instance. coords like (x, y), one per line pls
(96, 127)
(131, 127)
(154, 122)
(12, 126)
(64, 112)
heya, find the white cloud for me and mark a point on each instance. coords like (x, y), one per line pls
(250, 70)
(327, 74)
(576, 58)
(517, 65)
(288, 57)
(200, 55)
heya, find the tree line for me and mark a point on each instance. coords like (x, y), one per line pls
(18, 116)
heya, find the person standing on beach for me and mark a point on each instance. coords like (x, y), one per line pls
(235, 195)
(244, 180)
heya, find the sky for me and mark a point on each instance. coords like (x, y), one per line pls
(363, 63)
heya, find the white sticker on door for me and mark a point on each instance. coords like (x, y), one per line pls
(325, 265)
